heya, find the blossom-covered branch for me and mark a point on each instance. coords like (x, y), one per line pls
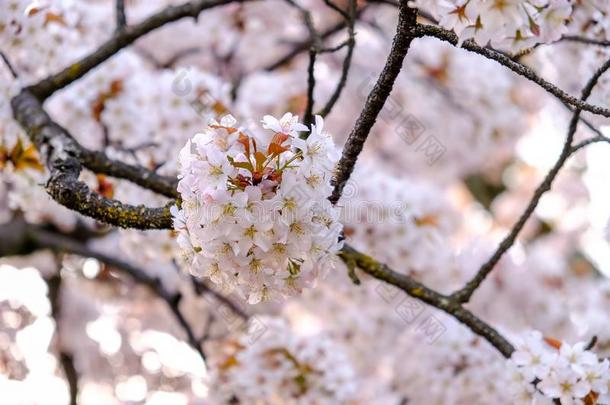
(262, 211)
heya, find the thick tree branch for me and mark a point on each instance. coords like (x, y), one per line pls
(376, 98)
(120, 40)
(464, 294)
(521, 70)
(63, 155)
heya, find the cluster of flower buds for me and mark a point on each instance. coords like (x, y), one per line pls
(255, 215)
(559, 371)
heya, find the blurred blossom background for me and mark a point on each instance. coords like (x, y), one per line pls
(451, 163)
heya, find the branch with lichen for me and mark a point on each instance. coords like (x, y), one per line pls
(419, 291)
(63, 157)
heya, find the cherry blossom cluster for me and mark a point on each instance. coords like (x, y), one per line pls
(40, 35)
(569, 373)
(272, 364)
(254, 214)
(514, 24)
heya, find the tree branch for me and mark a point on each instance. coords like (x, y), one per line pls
(586, 142)
(376, 98)
(26, 238)
(63, 154)
(202, 288)
(121, 18)
(65, 359)
(350, 19)
(315, 47)
(99, 163)
(522, 70)
(120, 40)
(9, 65)
(419, 291)
(311, 85)
(306, 44)
(583, 40)
(464, 294)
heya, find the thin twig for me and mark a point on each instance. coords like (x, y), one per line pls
(376, 98)
(347, 61)
(26, 238)
(586, 122)
(591, 343)
(306, 44)
(170, 62)
(507, 61)
(202, 288)
(311, 85)
(464, 294)
(333, 49)
(120, 40)
(584, 40)
(9, 65)
(66, 359)
(121, 17)
(338, 9)
(316, 45)
(586, 142)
